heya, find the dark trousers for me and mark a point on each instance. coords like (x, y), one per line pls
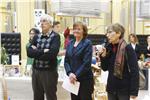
(44, 82)
(118, 96)
(85, 91)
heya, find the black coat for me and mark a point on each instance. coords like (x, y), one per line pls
(147, 52)
(130, 82)
(137, 50)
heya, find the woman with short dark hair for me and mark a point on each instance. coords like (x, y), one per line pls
(78, 62)
(32, 33)
(120, 60)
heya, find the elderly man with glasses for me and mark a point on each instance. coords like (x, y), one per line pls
(44, 49)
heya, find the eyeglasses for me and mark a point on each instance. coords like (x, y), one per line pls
(110, 33)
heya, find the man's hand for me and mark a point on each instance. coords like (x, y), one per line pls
(34, 47)
(72, 78)
(46, 50)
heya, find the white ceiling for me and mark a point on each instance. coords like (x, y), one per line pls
(80, 7)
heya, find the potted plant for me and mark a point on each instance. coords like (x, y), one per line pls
(3, 56)
(4, 59)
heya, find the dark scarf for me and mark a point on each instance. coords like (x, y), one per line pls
(119, 61)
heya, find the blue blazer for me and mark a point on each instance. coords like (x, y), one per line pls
(78, 59)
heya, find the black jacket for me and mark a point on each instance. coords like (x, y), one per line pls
(50, 56)
(78, 60)
(137, 50)
(130, 82)
(147, 52)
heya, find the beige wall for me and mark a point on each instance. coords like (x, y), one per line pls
(147, 27)
(142, 27)
(139, 27)
(25, 21)
(3, 14)
(116, 10)
(96, 26)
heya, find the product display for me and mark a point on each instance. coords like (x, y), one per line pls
(99, 86)
(12, 44)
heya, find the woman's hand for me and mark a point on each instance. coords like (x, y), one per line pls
(148, 54)
(72, 78)
(133, 97)
(103, 52)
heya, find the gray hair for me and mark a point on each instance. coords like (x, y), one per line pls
(117, 28)
(47, 18)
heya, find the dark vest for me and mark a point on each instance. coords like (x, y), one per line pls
(43, 42)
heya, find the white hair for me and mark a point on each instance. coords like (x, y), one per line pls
(47, 18)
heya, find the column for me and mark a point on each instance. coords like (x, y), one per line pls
(132, 17)
(25, 21)
(116, 10)
(3, 14)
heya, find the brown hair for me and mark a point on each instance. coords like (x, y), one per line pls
(117, 28)
(134, 36)
(84, 27)
(35, 30)
(55, 23)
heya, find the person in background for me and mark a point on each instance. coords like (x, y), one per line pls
(44, 49)
(67, 36)
(134, 44)
(78, 60)
(57, 29)
(147, 53)
(32, 33)
(118, 59)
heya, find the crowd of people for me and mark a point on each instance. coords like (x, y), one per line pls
(119, 58)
